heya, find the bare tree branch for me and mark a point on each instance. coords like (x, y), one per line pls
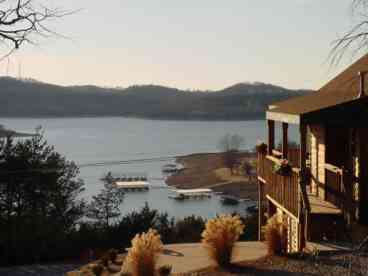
(356, 39)
(21, 21)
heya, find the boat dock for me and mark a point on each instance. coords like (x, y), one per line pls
(130, 181)
(181, 194)
(132, 185)
(172, 169)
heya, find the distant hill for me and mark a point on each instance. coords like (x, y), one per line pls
(26, 98)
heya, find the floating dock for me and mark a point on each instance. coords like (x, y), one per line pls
(230, 200)
(172, 168)
(182, 194)
(132, 185)
(129, 181)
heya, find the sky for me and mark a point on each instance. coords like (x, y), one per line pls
(191, 44)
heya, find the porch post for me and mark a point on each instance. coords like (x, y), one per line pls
(348, 177)
(303, 150)
(285, 143)
(363, 189)
(271, 136)
(260, 209)
(303, 215)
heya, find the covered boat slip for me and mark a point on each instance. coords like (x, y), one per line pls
(126, 176)
(129, 181)
(132, 185)
(191, 193)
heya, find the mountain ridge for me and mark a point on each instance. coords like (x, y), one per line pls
(241, 101)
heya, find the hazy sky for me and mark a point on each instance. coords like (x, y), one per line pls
(195, 44)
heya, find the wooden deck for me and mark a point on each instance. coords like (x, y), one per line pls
(323, 207)
(283, 190)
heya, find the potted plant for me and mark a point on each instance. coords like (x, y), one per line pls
(282, 168)
(261, 148)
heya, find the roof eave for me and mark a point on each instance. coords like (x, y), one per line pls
(283, 117)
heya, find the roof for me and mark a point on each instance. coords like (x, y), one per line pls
(342, 89)
(131, 184)
(192, 191)
(5, 133)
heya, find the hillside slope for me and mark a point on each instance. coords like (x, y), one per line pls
(19, 98)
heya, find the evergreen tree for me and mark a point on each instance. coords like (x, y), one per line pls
(105, 206)
(39, 199)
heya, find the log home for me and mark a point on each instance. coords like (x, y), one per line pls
(323, 194)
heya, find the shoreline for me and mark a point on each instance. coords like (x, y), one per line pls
(207, 170)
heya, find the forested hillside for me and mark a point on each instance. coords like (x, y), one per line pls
(21, 98)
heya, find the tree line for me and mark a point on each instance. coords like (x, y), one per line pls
(36, 99)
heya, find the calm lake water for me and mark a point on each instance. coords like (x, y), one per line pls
(110, 139)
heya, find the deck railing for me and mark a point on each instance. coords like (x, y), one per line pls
(294, 157)
(334, 190)
(282, 188)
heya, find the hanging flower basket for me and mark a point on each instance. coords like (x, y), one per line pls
(261, 148)
(283, 168)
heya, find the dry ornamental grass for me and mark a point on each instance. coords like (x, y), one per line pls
(275, 235)
(220, 236)
(142, 256)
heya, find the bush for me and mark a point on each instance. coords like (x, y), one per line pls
(189, 229)
(143, 254)
(112, 254)
(165, 270)
(97, 269)
(251, 231)
(220, 236)
(275, 235)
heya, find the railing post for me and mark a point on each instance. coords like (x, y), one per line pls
(285, 143)
(271, 136)
(340, 179)
(283, 191)
(260, 209)
(303, 212)
(303, 150)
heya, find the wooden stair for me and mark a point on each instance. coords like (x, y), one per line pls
(326, 221)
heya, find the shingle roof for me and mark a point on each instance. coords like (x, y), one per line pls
(341, 89)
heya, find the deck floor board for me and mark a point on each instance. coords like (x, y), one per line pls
(320, 206)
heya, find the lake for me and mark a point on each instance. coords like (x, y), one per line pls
(88, 141)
